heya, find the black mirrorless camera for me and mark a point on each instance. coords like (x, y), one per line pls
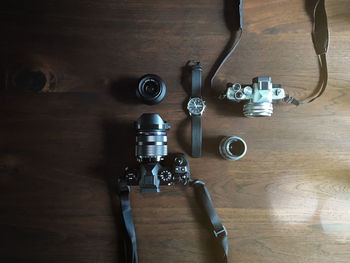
(155, 167)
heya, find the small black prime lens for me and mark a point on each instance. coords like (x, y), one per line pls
(151, 138)
(151, 89)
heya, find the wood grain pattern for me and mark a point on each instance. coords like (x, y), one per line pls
(287, 200)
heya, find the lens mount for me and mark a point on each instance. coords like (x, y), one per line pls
(151, 89)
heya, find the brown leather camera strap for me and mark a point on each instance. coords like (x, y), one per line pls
(320, 37)
(234, 44)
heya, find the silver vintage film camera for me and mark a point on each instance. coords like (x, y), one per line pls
(260, 96)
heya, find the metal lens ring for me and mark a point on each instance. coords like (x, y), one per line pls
(232, 148)
(153, 145)
(259, 109)
(151, 137)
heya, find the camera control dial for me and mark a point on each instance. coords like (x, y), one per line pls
(165, 176)
(131, 176)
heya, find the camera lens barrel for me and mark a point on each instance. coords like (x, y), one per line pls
(232, 148)
(151, 89)
(151, 138)
(261, 109)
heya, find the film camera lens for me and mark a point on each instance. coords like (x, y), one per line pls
(151, 138)
(151, 89)
(232, 148)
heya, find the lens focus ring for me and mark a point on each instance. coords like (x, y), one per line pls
(151, 137)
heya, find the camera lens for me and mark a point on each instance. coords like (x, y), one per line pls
(151, 89)
(232, 148)
(151, 138)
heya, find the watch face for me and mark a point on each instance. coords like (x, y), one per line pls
(196, 106)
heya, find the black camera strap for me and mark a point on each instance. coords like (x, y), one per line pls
(128, 228)
(204, 199)
(218, 229)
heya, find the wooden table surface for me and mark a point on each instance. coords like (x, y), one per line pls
(287, 200)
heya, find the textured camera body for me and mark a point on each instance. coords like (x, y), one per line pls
(259, 96)
(149, 175)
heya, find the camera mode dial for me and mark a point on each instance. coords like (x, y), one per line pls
(165, 176)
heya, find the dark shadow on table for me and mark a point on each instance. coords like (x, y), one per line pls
(211, 146)
(184, 140)
(119, 143)
(124, 90)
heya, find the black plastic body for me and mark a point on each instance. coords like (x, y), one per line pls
(151, 89)
(174, 169)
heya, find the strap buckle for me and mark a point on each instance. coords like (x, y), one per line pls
(290, 100)
(220, 232)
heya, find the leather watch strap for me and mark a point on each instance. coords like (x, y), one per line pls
(196, 79)
(196, 119)
(196, 136)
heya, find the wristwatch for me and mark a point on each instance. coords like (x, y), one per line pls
(195, 107)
